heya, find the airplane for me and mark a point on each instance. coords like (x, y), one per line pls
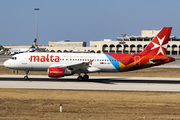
(65, 64)
(13, 51)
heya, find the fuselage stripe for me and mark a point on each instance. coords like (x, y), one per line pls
(114, 62)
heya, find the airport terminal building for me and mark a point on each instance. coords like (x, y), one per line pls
(132, 44)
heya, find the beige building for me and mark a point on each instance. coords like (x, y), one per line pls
(133, 44)
(67, 43)
(67, 46)
(131, 47)
(149, 33)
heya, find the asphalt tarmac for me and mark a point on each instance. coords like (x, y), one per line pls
(94, 83)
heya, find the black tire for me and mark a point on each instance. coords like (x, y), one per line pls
(80, 78)
(25, 77)
(86, 77)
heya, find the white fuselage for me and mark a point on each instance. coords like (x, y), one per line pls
(18, 49)
(42, 61)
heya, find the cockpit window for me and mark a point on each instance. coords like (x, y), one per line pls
(14, 58)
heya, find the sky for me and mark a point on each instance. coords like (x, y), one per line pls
(83, 20)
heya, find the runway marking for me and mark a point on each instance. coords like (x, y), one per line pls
(95, 83)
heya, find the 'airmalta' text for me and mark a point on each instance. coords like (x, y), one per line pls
(46, 58)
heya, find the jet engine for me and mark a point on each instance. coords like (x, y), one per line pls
(58, 72)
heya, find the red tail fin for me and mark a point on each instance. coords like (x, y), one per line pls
(159, 44)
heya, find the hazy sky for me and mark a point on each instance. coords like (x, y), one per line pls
(83, 20)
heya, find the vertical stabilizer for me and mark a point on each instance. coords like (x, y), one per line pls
(34, 44)
(159, 43)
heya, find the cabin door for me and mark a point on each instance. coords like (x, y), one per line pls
(24, 59)
(137, 60)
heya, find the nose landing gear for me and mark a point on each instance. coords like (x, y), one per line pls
(26, 76)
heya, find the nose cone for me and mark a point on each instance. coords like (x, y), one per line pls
(7, 64)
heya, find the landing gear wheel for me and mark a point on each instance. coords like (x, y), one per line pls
(80, 78)
(25, 77)
(86, 77)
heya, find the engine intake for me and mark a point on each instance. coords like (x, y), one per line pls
(58, 72)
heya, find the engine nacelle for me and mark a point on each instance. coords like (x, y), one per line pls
(58, 72)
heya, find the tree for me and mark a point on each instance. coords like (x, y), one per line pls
(1, 47)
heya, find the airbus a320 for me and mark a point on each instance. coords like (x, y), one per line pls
(65, 64)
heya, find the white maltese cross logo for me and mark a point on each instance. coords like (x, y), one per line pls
(160, 45)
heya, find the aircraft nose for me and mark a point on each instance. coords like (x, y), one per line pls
(7, 63)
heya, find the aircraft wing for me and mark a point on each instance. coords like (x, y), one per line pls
(83, 66)
(70, 65)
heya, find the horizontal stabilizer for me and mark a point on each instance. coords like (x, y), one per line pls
(158, 60)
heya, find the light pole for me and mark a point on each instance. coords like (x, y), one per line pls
(123, 34)
(36, 22)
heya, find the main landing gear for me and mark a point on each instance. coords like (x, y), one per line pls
(85, 77)
(26, 76)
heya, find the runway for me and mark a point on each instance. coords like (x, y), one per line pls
(95, 83)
